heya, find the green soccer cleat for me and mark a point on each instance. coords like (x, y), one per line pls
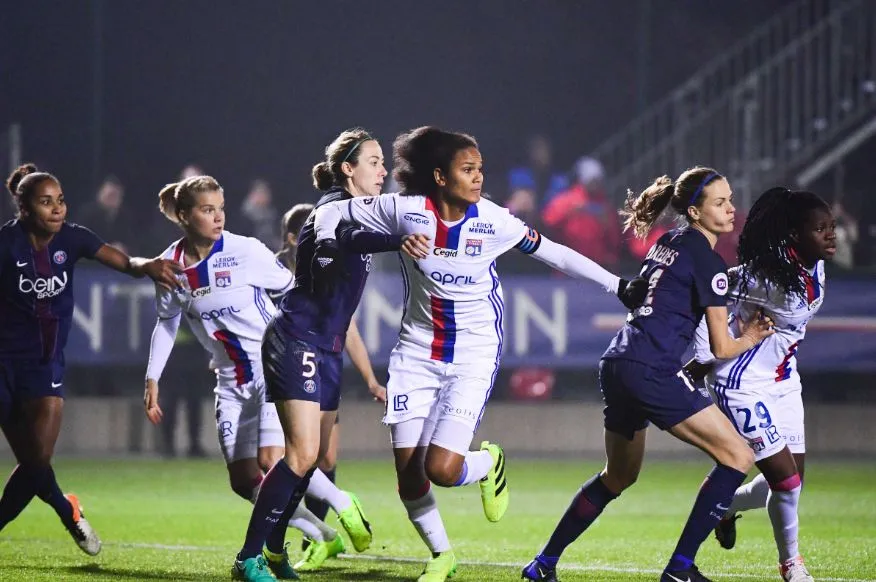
(356, 525)
(439, 568)
(318, 552)
(280, 564)
(251, 570)
(494, 487)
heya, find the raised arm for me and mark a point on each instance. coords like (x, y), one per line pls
(162, 271)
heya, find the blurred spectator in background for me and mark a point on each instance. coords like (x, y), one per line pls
(846, 236)
(583, 218)
(537, 173)
(109, 217)
(523, 200)
(190, 171)
(638, 247)
(260, 216)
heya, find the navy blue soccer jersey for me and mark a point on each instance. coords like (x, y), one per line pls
(685, 276)
(37, 289)
(323, 321)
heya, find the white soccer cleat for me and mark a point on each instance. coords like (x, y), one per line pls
(83, 534)
(794, 570)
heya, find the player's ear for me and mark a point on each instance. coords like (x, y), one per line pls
(347, 169)
(693, 213)
(439, 177)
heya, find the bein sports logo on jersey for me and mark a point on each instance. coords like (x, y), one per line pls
(473, 247)
(223, 278)
(43, 287)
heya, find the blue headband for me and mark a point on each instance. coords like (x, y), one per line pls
(699, 189)
(355, 147)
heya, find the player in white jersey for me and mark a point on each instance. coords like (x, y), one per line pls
(224, 298)
(442, 370)
(782, 249)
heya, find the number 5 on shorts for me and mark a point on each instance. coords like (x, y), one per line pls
(308, 364)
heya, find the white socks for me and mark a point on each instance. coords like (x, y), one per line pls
(782, 507)
(324, 490)
(423, 513)
(311, 526)
(752, 495)
(475, 467)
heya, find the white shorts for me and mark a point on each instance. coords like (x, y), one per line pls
(432, 402)
(245, 422)
(769, 416)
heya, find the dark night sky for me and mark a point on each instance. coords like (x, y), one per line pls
(259, 88)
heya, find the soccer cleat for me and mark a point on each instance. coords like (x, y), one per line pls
(691, 574)
(795, 571)
(725, 531)
(439, 568)
(280, 564)
(535, 570)
(251, 570)
(356, 525)
(494, 487)
(318, 552)
(82, 532)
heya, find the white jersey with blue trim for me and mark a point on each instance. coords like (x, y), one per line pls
(774, 360)
(226, 303)
(453, 298)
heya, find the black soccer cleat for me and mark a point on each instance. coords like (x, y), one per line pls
(691, 574)
(535, 570)
(725, 531)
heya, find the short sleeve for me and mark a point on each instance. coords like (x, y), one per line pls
(710, 279)
(265, 270)
(85, 241)
(166, 303)
(511, 231)
(377, 213)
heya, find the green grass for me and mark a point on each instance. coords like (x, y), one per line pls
(178, 520)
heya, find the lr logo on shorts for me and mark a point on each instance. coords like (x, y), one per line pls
(400, 403)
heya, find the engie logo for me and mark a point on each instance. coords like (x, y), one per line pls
(217, 313)
(442, 252)
(451, 279)
(43, 287)
(416, 218)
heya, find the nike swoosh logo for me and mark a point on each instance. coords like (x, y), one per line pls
(57, 384)
(678, 579)
(723, 508)
(275, 512)
(17, 264)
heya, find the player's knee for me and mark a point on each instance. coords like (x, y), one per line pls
(243, 487)
(442, 472)
(302, 459)
(327, 463)
(618, 481)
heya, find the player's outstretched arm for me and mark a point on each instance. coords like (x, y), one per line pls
(723, 345)
(359, 356)
(574, 264)
(162, 271)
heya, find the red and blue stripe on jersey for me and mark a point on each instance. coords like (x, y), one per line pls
(447, 237)
(199, 275)
(235, 351)
(783, 370)
(813, 287)
(444, 329)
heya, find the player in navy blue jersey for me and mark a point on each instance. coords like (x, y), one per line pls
(38, 251)
(641, 376)
(301, 353)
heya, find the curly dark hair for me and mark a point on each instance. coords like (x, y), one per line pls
(766, 249)
(416, 155)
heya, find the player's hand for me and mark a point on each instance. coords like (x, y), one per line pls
(632, 293)
(758, 327)
(326, 269)
(164, 273)
(150, 402)
(377, 391)
(415, 246)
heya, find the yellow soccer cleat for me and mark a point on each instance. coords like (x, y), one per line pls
(494, 487)
(439, 568)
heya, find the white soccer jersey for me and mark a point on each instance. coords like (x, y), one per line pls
(225, 302)
(775, 358)
(453, 298)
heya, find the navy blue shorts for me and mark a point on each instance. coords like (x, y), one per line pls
(636, 394)
(22, 380)
(298, 370)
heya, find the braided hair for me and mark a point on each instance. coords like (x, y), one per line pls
(766, 247)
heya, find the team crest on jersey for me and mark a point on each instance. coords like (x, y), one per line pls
(60, 257)
(310, 386)
(473, 247)
(756, 444)
(223, 278)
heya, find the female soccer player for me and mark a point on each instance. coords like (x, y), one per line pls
(640, 373)
(442, 370)
(38, 251)
(782, 249)
(226, 304)
(316, 552)
(302, 359)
